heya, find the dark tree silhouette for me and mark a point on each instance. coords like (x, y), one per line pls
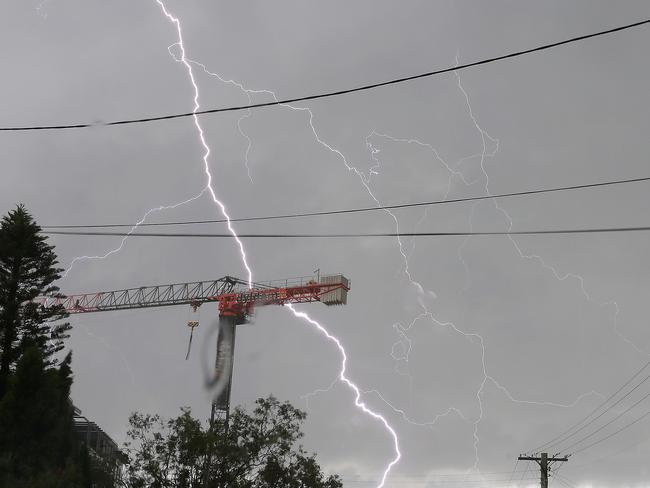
(37, 447)
(259, 451)
(27, 270)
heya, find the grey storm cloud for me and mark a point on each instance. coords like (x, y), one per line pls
(509, 341)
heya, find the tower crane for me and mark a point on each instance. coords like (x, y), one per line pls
(236, 300)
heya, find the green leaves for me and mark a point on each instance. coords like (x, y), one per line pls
(259, 451)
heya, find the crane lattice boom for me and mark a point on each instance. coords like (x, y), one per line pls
(233, 294)
(236, 303)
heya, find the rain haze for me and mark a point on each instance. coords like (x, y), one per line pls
(474, 349)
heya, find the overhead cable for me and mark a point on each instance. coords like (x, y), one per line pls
(608, 423)
(562, 436)
(351, 235)
(370, 86)
(358, 210)
(603, 439)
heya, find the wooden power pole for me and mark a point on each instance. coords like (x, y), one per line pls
(544, 464)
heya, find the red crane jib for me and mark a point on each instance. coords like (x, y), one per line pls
(234, 296)
(241, 304)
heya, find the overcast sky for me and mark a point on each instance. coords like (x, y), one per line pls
(562, 319)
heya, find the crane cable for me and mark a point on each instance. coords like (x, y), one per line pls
(192, 324)
(189, 344)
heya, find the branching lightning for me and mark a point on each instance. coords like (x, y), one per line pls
(357, 392)
(359, 404)
(487, 142)
(133, 229)
(365, 180)
(78, 259)
(247, 114)
(204, 144)
(426, 313)
(489, 149)
(404, 415)
(556, 273)
(181, 58)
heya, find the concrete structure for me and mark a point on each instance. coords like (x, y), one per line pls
(101, 448)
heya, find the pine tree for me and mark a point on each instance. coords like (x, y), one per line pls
(37, 446)
(27, 270)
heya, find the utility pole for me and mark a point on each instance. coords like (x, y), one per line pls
(544, 464)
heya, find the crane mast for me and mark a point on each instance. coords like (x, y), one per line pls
(236, 301)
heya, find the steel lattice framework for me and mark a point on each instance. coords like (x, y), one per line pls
(234, 295)
(236, 298)
(194, 293)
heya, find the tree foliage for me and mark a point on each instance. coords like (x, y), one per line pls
(36, 441)
(27, 270)
(259, 451)
(37, 445)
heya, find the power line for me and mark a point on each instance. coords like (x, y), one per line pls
(524, 474)
(616, 453)
(603, 413)
(353, 235)
(608, 423)
(513, 472)
(599, 415)
(435, 476)
(564, 480)
(338, 92)
(503, 483)
(409, 480)
(361, 209)
(627, 426)
(558, 438)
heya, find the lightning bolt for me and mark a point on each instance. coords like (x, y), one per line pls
(247, 114)
(180, 57)
(358, 403)
(365, 180)
(405, 416)
(342, 376)
(489, 149)
(307, 396)
(102, 340)
(357, 392)
(206, 149)
(428, 314)
(487, 140)
(131, 230)
(559, 276)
